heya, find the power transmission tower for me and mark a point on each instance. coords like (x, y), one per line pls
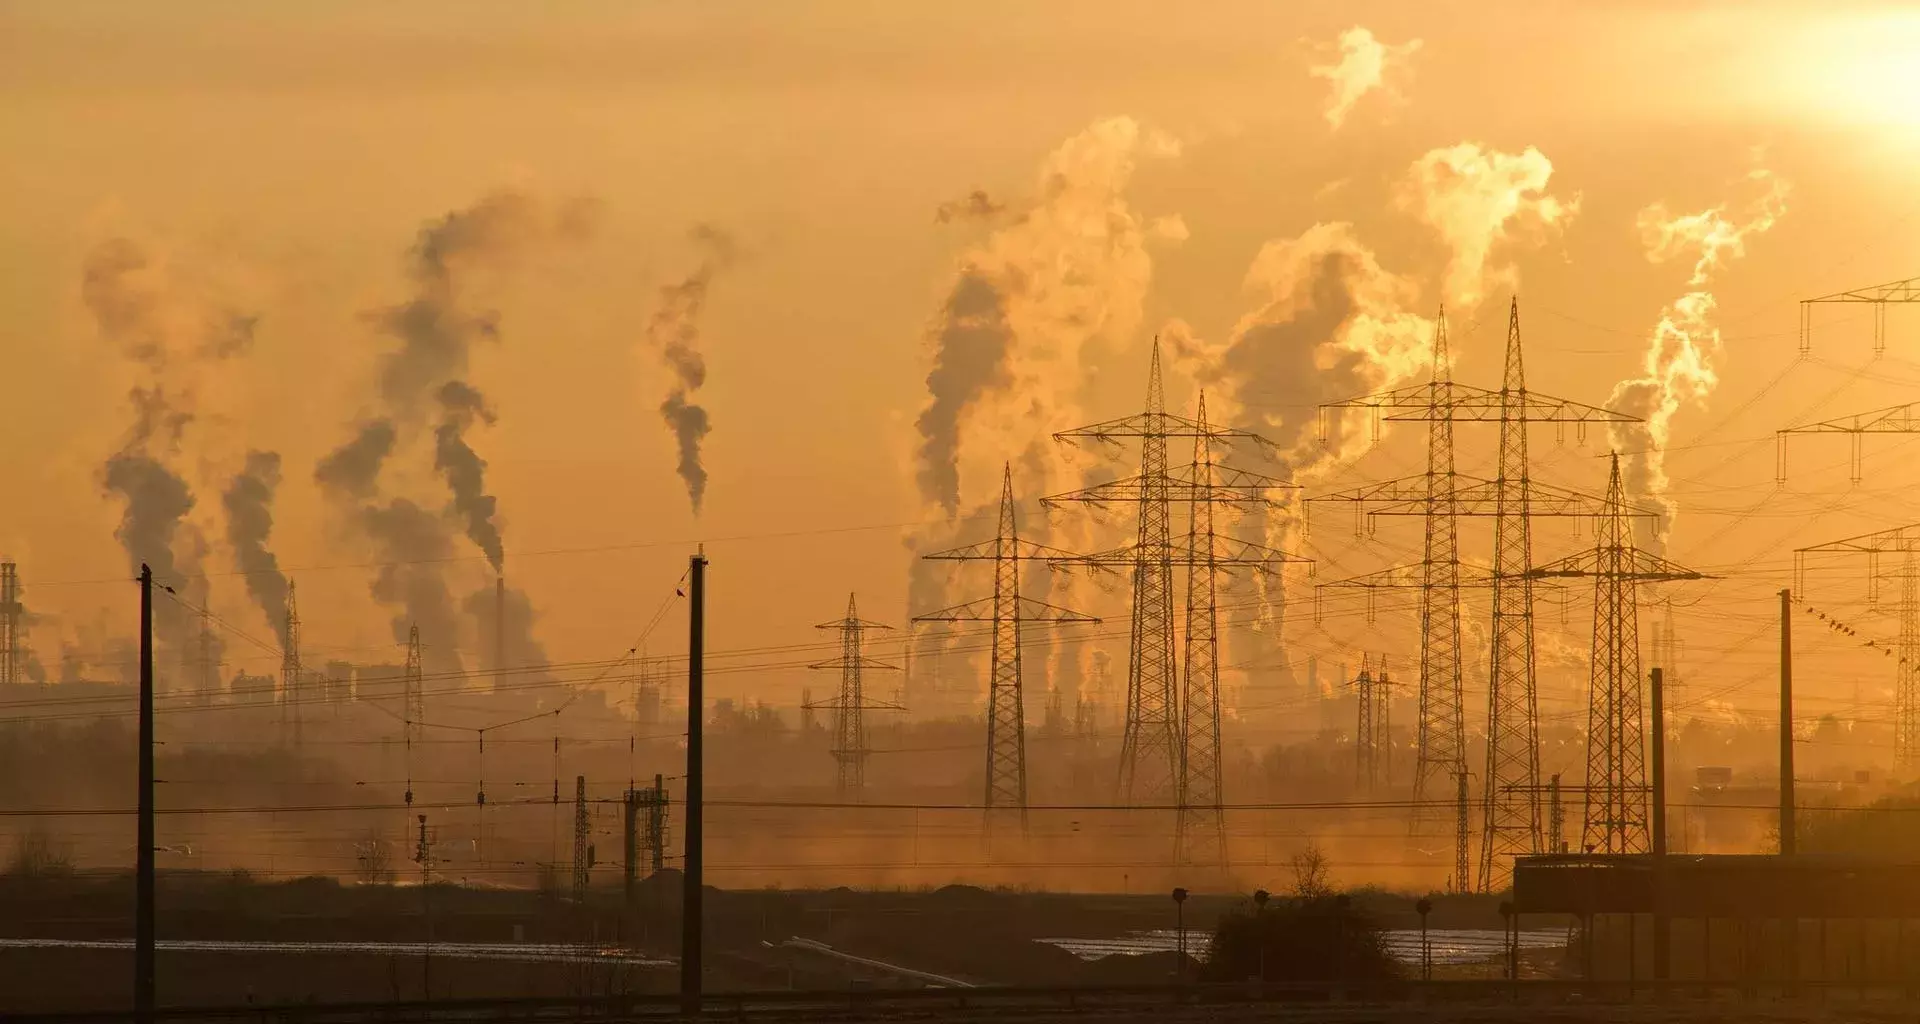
(1894, 419)
(850, 750)
(1373, 726)
(1150, 747)
(1006, 783)
(13, 636)
(1510, 805)
(582, 829)
(1616, 789)
(290, 674)
(1903, 541)
(1205, 486)
(1879, 296)
(413, 694)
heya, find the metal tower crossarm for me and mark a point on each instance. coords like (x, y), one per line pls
(1894, 419)
(1470, 496)
(1879, 296)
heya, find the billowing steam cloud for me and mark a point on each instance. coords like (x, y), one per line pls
(1477, 198)
(1679, 363)
(170, 336)
(249, 505)
(424, 387)
(1072, 267)
(1362, 68)
(674, 331)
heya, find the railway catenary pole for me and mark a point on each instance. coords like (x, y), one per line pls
(690, 894)
(143, 932)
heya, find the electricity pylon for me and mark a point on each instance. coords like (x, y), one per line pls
(1510, 803)
(1895, 419)
(1189, 731)
(1373, 726)
(1616, 789)
(13, 633)
(1903, 541)
(1006, 785)
(413, 692)
(1879, 296)
(290, 674)
(582, 830)
(850, 750)
(1150, 745)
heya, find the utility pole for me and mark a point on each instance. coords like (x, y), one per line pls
(1009, 611)
(143, 914)
(423, 853)
(850, 750)
(690, 875)
(1786, 724)
(1662, 933)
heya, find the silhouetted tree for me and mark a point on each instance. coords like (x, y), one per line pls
(1310, 938)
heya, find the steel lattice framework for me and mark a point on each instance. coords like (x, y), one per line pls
(1006, 779)
(850, 750)
(1510, 804)
(1616, 789)
(582, 829)
(1903, 541)
(13, 637)
(1879, 296)
(413, 693)
(1150, 749)
(290, 673)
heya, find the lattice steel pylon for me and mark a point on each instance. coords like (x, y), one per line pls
(1894, 419)
(412, 690)
(1510, 804)
(13, 634)
(1903, 541)
(582, 851)
(1006, 776)
(1200, 830)
(1616, 788)
(290, 673)
(850, 750)
(1150, 747)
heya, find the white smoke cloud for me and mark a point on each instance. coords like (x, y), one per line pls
(1476, 199)
(1070, 268)
(1679, 365)
(1362, 67)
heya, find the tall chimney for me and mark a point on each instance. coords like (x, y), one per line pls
(499, 631)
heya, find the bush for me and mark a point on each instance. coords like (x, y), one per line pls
(1308, 938)
(35, 855)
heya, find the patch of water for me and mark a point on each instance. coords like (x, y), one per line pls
(523, 952)
(1449, 945)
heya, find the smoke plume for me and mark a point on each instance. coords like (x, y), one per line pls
(249, 505)
(464, 470)
(1362, 67)
(424, 387)
(1477, 198)
(517, 646)
(169, 331)
(674, 331)
(1678, 366)
(1070, 269)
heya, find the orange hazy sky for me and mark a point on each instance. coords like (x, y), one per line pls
(282, 157)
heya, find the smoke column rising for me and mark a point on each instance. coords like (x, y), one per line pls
(464, 470)
(1477, 198)
(1678, 366)
(249, 506)
(674, 330)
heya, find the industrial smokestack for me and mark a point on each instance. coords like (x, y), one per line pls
(499, 631)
